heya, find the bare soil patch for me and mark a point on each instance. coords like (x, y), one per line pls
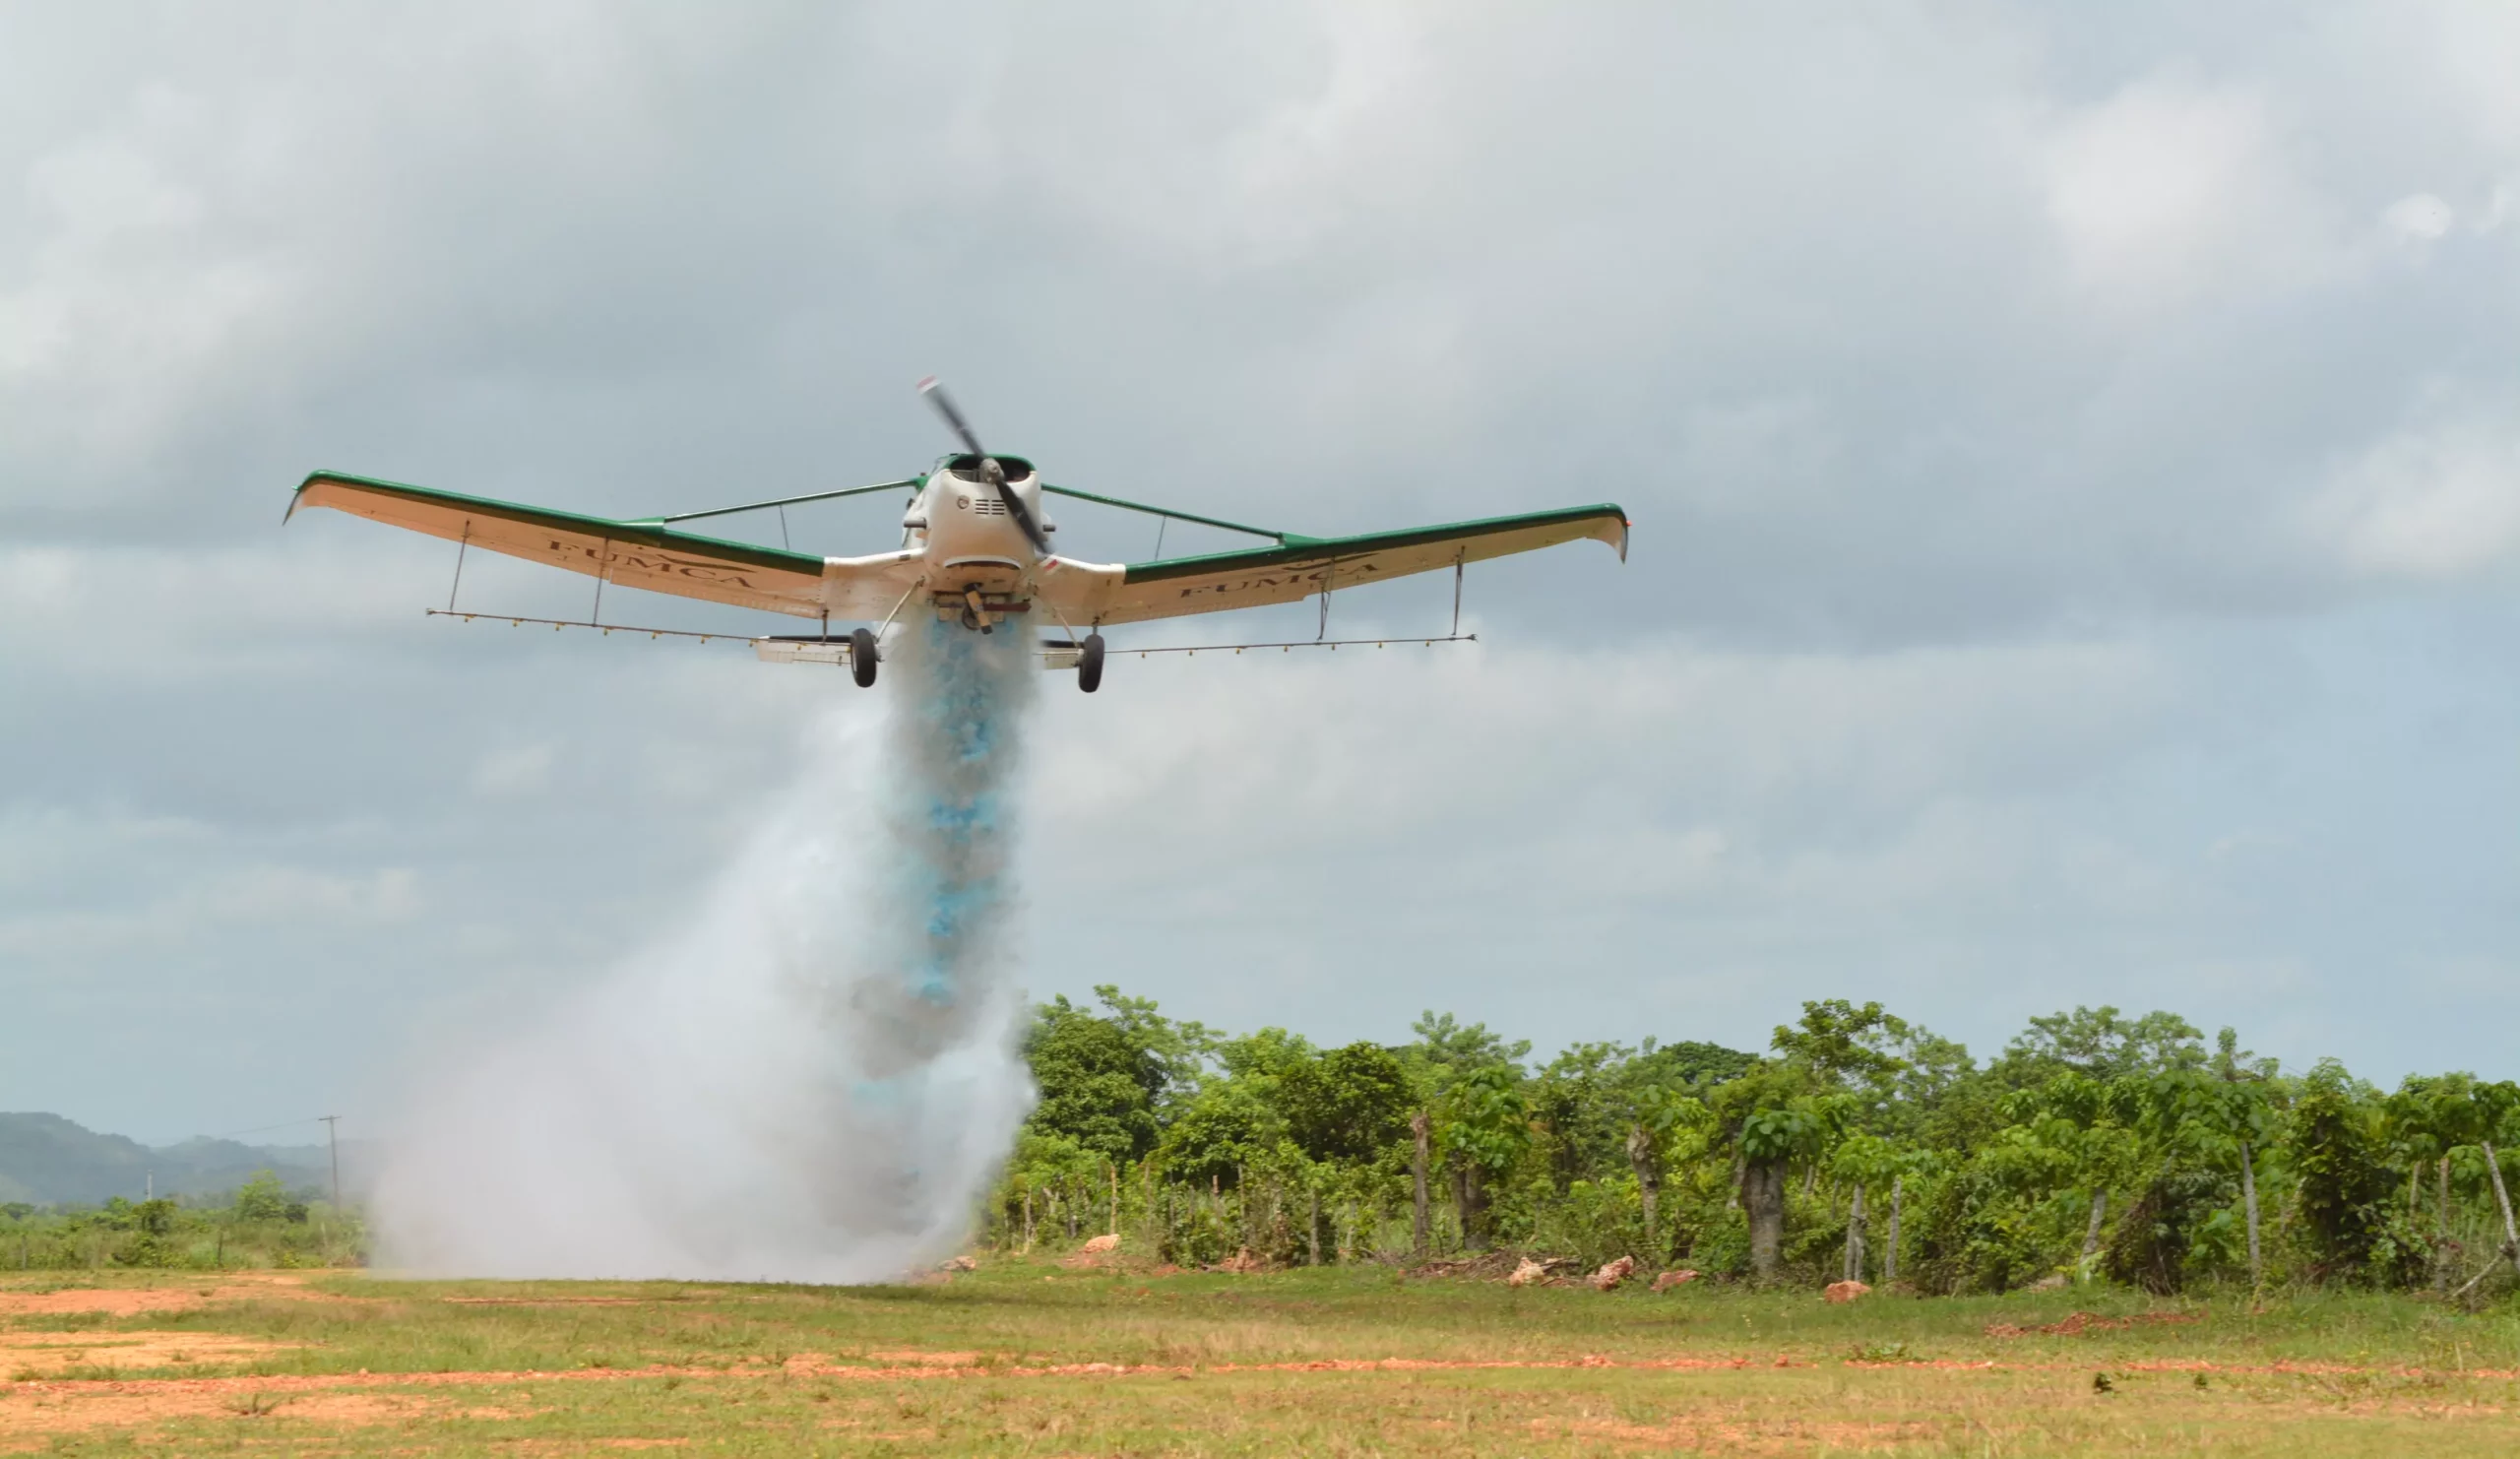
(111, 1302)
(175, 1296)
(550, 1301)
(36, 1354)
(1736, 1437)
(581, 1445)
(32, 1411)
(2077, 1323)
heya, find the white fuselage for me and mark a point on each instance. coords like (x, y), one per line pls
(960, 524)
(967, 555)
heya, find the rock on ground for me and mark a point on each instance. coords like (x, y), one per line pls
(1526, 1274)
(1846, 1291)
(1107, 1242)
(1670, 1280)
(1613, 1273)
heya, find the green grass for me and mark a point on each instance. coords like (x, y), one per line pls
(722, 1369)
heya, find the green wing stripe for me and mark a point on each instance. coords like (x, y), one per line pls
(1300, 550)
(649, 531)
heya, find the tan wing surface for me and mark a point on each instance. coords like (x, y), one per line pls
(637, 554)
(1303, 566)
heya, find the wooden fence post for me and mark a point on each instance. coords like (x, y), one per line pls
(1418, 1127)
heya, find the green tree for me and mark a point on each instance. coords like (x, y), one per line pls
(1772, 1136)
(1099, 1082)
(2102, 1044)
(262, 1198)
(2344, 1202)
(2243, 1113)
(1446, 1048)
(1691, 1063)
(1350, 1103)
(1224, 1130)
(1180, 1049)
(1485, 1129)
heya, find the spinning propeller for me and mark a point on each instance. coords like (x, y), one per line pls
(1015, 507)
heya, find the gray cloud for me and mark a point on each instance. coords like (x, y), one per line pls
(2061, 444)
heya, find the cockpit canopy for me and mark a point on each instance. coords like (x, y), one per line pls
(968, 468)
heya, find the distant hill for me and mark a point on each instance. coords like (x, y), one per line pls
(46, 1160)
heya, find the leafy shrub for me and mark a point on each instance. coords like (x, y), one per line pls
(2153, 1245)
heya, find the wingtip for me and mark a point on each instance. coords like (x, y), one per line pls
(926, 384)
(1619, 543)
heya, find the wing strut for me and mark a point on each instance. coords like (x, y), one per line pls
(785, 502)
(461, 543)
(1167, 512)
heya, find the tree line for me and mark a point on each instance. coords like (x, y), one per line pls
(261, 1223)
(2094, 1147)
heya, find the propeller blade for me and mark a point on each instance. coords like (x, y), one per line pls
(934, 390)
(1016, 509)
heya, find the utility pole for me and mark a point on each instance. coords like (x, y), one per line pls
(333, 1139)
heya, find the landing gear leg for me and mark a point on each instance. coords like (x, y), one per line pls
(861, 657)
(1089, 663)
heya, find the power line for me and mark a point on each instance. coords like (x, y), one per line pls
(283, 1124)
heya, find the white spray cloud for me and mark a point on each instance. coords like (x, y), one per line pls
(815, 1080)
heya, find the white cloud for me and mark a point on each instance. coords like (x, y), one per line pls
(2435, 502)
(1634, 779)
(131, 300)
(2174, 188)
(82, 885)
(2418, 218)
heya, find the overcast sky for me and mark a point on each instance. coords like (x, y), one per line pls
(2075, 454)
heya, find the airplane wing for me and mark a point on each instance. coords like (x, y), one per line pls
(1301, 567)
(639, 554)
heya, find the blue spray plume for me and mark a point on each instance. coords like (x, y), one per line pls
(817, 1078)
(952, 747)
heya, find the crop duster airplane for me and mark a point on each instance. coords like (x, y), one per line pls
(975, 549)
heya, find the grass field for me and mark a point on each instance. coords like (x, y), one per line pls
(1035, 1358)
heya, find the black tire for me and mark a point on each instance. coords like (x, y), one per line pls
(1089, 663)
(861, 657)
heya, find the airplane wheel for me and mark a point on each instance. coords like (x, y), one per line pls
(861, 657)
(1088, 663)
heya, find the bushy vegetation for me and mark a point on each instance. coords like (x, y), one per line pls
(2095, 1147)
(260, 1225)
